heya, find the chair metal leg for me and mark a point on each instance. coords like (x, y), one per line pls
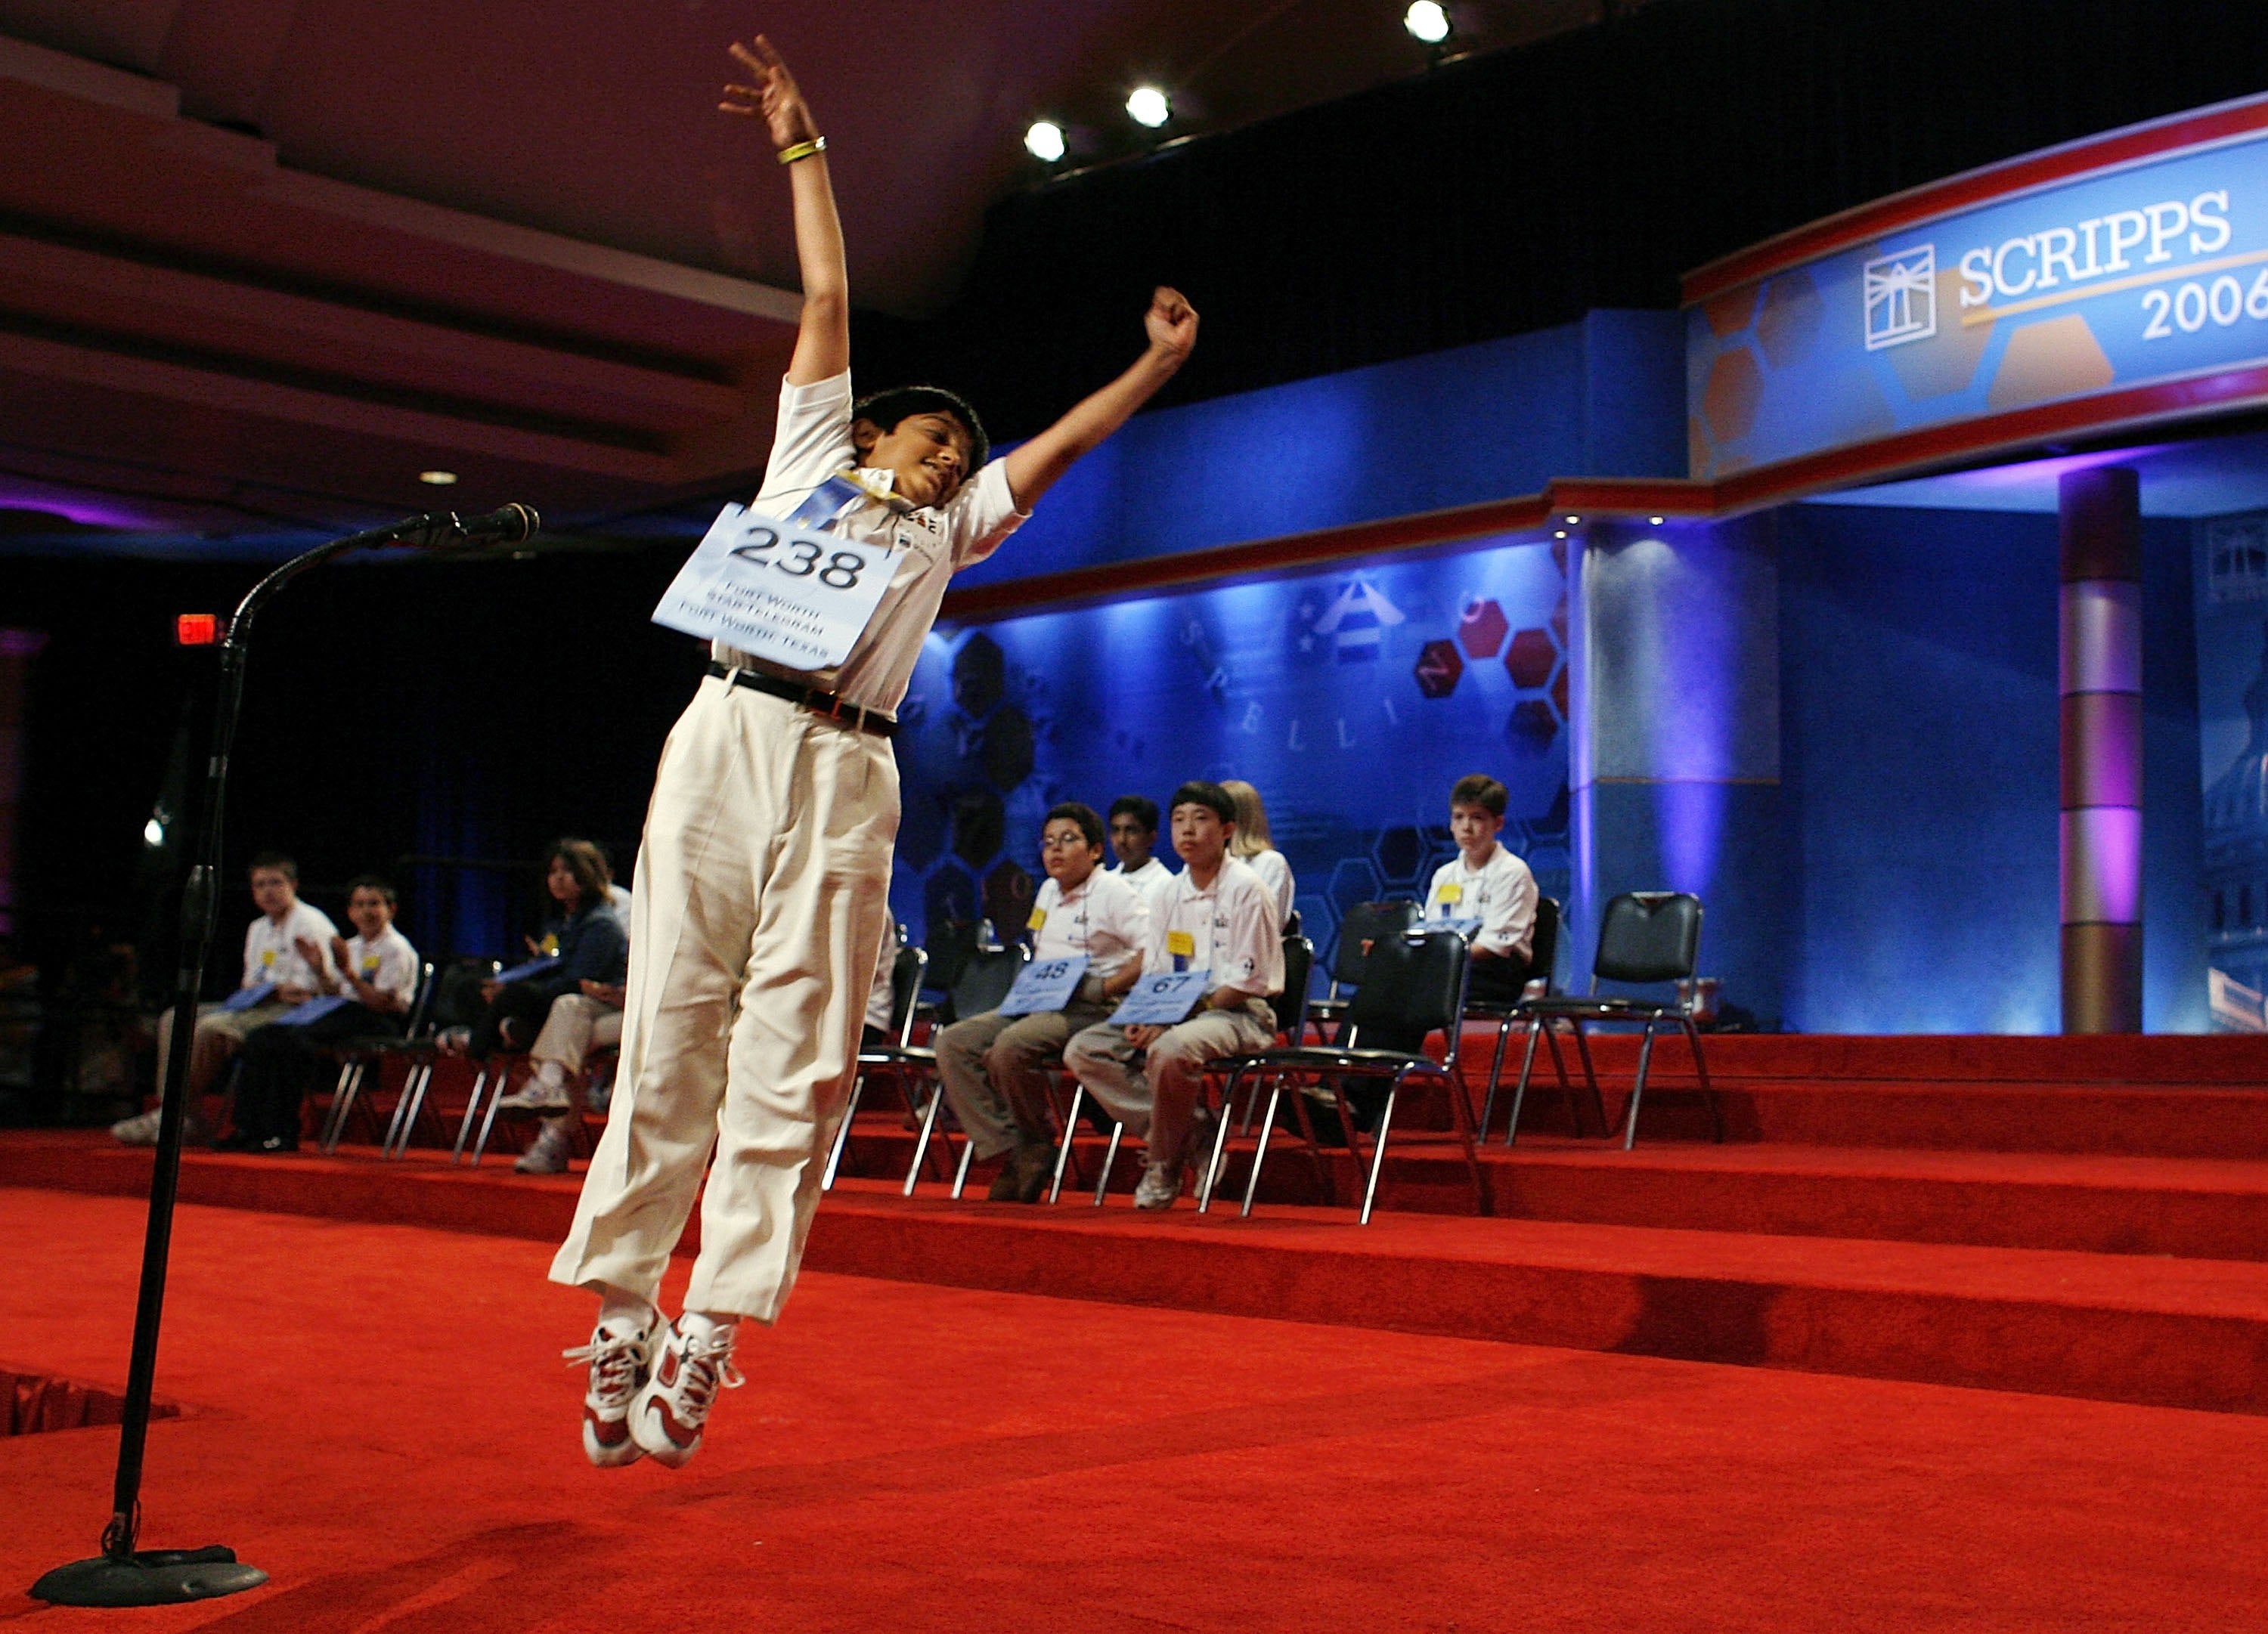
(1260, 1151)
(1701, 1070)
(422, 1077)
(1213, 1159)
(397, 1126)
(1461, 1108)
(1637, 1086)
(1109, 1158)
(1326, 1185)
(1378, 1150)
(1070, 1128)
(342, 1093)
(487, 1119)
(961, 1174)
(843, 1134)
(1496, 1074)
(921, 1144)
(406, 1111)
(1591, 1076)
(1535, 1024)
(472, 1111)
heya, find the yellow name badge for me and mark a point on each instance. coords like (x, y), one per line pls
(1037, 921)
(1451, 892)
(550, 946)
(370, 969)
(267, 959)
(1181, 945)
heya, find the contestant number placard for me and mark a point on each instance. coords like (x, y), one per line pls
(1044, 984)
(1162, 1000)
(777, 590)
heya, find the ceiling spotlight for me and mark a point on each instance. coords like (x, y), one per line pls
(153, 834)
(1654, 521)
(1044, 141)
(1572, 520)
(439, 479)
(1426, 22)
(1148, 106)
(1558, 532)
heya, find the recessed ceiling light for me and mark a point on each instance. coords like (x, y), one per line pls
(1558, 532)
(1654, 521)
(1044, 141)
(1147, 105)
(1572, 520)
(439, 479)
(1427, 22)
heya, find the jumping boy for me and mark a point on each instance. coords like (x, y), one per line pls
(763, 880)
(1216, 915)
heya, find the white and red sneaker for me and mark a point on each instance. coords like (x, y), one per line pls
(672, 1406)
(618, 1356)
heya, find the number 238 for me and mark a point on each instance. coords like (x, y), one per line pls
(802, 561)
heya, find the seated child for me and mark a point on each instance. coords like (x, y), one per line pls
(587, 937)
(1257, 849)
(1218, 917)
(1133, 837)
(1486, 882)
(994, 1067)
(376, 974)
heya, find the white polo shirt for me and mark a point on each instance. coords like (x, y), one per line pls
(387, 961)
(1152, 878)
(1501, 893)
(1233, 930)
(269, 955)
(812, 443)
(1103, 917)
(1275, 875)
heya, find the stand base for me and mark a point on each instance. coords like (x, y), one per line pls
(154, 1577)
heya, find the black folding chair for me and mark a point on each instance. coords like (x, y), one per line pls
(359, 1058)
(1361, 927)
(982, 985)
(892, 1059)
(1542, 964)
(1412, 982)
(1645, 937)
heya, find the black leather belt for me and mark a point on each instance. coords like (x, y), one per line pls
(808, 698)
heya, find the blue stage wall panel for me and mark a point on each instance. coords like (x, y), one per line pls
(1919, 759)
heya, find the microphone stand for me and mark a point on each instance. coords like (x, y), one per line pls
(121, 1575)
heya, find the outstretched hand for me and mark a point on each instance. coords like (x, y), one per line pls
(1172, 323)
(774, 98)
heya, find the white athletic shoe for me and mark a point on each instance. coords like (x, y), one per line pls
(1161, 1184)
(673, 1407)
(617, 1357)
(141, 1130)
(537, 1096)
(545, 1154)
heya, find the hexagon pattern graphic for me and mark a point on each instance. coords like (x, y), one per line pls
(1728, 403)
(1532, 726)
(1530, 660)
(1438, 668)
(1482, 629)
(1791, 318)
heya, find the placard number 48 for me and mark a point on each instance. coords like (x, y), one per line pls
(2223, 300)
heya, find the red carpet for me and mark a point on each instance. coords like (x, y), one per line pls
(375, 1413)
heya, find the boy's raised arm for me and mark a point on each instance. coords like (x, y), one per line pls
(1033, 468)
(822, 341)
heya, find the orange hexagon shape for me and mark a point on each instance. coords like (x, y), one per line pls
(1728, 402)
(1528, 660)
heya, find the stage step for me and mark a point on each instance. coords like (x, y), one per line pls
(2187, 1332)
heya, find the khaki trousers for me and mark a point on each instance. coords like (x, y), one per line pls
(577, 1025)
(995, 1070)
(219, 1034)
(1159, 1097)
(762, 903)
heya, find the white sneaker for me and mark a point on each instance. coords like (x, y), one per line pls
(618, 1356)
(141, 1130)
(545, 1154)
(536, 1096)
(672, 1409)
(1161, 1184)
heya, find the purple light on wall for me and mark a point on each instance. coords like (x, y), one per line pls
(1691, 816)
(85, 510)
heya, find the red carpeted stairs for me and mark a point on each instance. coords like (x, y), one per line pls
(2081, 1217)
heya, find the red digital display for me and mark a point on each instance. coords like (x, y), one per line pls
(196, 630)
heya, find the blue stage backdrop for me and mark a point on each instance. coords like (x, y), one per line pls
(1352, 701)
(2232, 579)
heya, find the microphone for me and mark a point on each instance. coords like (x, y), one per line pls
(447, 531)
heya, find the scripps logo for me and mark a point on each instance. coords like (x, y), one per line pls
(1901, 298)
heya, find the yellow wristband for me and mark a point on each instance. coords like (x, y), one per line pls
(803, 149)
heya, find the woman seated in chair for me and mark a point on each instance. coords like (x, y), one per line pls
(584, 941)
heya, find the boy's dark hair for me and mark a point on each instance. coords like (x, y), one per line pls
(1083, 814)
(1212, 796)
(1141, 807)
(886, 408)
(373, 882)
(1479, 789)
(276, 861)
(588, 864)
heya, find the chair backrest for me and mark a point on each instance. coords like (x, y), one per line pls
(1292, 924)
(1290, 1005)
(1362, 928)
(1543, 941)
(457, 999)
(905, 989)
(1415, 985)
(1648, 936)
(985, 979)
(413, 1024)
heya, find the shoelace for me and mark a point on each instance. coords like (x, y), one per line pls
(614, 1360)
(707, 1367)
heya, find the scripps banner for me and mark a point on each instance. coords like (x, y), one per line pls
(2132, 272)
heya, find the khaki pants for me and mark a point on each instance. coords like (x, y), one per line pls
(1159, 1094)
(762, 901)
(219, 1034)
(995, 1070)
(576, 1025)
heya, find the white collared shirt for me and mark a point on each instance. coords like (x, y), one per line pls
(1275, 875)
(811, 443)
(1233, 929)
(387, 961)
(1501, 893)
(271, 955)
(1103, 917)
(1151, 878)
